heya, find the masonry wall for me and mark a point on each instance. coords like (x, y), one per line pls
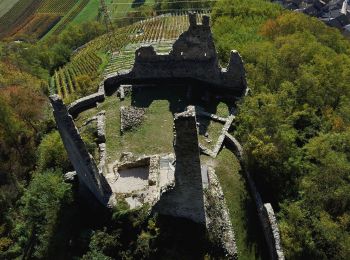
(80, 158)
(193, 57)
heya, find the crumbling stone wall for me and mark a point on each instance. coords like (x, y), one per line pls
(83, 163)
(193, 57)
(186, 198)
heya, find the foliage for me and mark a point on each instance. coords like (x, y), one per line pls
(52, 154)
(129, 235)
(293, 126)
(38, 215)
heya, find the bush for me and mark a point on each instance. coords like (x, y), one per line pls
(52, 154)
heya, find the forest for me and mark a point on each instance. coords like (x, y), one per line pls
(294, 126)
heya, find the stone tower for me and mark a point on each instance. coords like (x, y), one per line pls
(186, 199)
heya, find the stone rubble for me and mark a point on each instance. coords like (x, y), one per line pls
(130, 117)
(101, 128)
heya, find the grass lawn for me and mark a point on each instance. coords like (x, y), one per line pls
(154, 135)
(6, 5)
(249, 236)
(214, 130)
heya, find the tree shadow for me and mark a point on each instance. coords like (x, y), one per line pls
(137, 3)
(252, 225)
(180, 239)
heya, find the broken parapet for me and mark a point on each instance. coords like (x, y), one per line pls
(86, 102)
(192, 58)
(186, 198)
(80, 158)
(218, 221)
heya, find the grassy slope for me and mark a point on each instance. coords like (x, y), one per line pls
(6, 5)
(89, 12)
(118, 11)
(244, 219)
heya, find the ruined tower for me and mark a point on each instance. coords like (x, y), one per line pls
(186, 199)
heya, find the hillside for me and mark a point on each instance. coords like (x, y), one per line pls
(285, 144)
(6, 5)
(33, 18)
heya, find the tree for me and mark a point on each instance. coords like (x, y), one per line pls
(38, 214)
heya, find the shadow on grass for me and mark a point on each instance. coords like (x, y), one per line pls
(137, 3)
(255, 236)
(179, 97)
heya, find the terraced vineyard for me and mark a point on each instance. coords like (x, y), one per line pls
(125, 58)
(57, 7)
(159, 31)
(17, 16)
(38, 25)
(70, 16)
(64, 80)
(36, 17)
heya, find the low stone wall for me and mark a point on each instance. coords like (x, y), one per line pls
(265, 212)
(274, 231)
(218, 221)
(84, 103)
(213, 153)
(101, 128)
(201, 112)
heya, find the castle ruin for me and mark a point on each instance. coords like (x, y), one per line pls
(193, 59)
(174, 184)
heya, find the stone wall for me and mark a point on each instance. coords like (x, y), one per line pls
(186, 198)
(193, 57)
(84, 103)
(218, 221)
(82, 161)
(265, 212)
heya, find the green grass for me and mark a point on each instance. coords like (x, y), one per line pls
(154, 135)
(222, 110)
(118, 11)
(244, 219)
(214, 130)
(6, 5)
(85, 115)
(89, 13)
